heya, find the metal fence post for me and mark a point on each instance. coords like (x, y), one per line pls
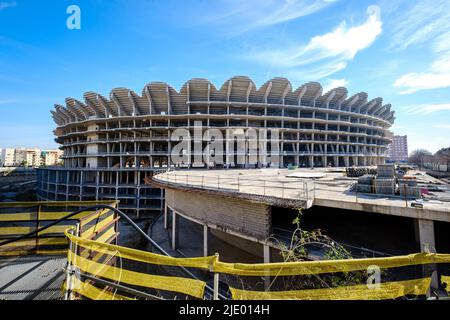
(216, 281)
(406, 194)
(38, 213)
(69, 271)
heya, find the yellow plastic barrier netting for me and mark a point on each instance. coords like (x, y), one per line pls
(15, 253)
(386, 291)
(143, 256)
(327, 266)
(112, 203)
(195, 288)
(33, 242)
(191, 287)
(91, 292)
(92, 217)
(107, 235)
(43, 216)
(8, 231)
(98, 226)
(446, 281)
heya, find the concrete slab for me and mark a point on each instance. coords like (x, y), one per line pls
(332, 190)
(307, 175)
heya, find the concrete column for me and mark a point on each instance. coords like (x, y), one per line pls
(174, 230)
(266, 249)
(97, 183)
(165, 217)
(266, 253)
(67, 185)
(426, 235)
(205, 240)
(81, 185)
(427, 244)
(56, 185)
(347, 161)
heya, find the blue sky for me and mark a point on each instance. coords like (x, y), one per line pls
(397, 50)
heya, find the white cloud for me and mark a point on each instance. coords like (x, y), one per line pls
(443, 126)
(422, 21)
(395, 128)
(437, 75)
(413, 82)
(335, 83)
(426, 109)
(427, 21)
(252, 14)
(328, 53)
(6, 5)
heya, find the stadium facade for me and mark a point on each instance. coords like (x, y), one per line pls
(111, 145)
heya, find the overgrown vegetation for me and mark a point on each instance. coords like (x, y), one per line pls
(301, 248)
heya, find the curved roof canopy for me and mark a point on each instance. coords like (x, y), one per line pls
(160, 98)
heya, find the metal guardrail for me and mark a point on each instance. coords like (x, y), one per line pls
(209, 289)
(95, 208)
(293, 190)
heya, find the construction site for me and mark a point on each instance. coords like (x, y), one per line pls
(304, 211)
(255, 204)
(228, 234)
(112, 144)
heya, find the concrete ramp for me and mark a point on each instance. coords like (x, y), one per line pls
(32, 278)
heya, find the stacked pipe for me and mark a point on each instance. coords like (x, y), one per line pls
(359, 172)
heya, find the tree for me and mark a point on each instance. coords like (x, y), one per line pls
(419, 156)
(443, 156)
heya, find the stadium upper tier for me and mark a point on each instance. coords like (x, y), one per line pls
(159, 99)
(112, 145)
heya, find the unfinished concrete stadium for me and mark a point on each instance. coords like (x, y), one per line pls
(111, 146)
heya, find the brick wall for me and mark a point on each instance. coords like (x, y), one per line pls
(245, 217)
